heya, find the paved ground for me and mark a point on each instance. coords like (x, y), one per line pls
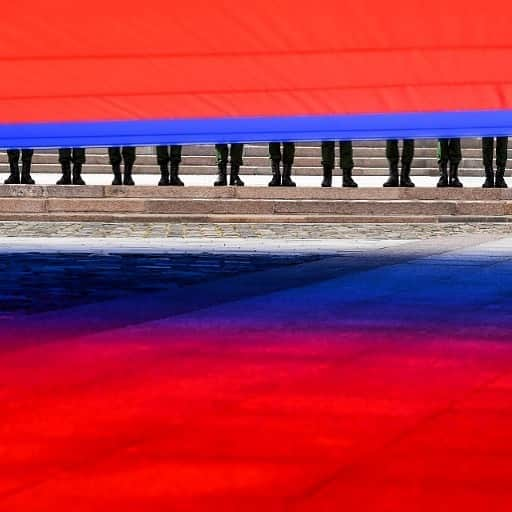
(247, 231)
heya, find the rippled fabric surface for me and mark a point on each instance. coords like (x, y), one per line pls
(202, 71)
(384, 385)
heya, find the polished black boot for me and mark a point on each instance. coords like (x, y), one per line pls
(405, 177)
(500, 178)
(127, 179)
(77, 175)
(26, 178)
(66, 174)
(287, 176)
(276, 175)
(347, 179)
(489, 178)
(164, 176)
(393, 177)
(118, 178)
(443, 176)
(454, 176)
(222, 176)
(175, 179)
(14, 176)
(234, 178)
(327, 181)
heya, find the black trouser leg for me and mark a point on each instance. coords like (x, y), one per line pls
(175, 157)
(407, 157)
(129, 155)
(328, 161)
(222, 152)
(78, 158)
(115, 158)
(274, 149)
(393, 157)
(163, 158)
(455, 157)
(501, 161)
(408, 152)
(288, 153)
(347, 163)
(237, 153)
(288, 159)
(487, 152)
(487, 158)
(65, 162)
(26, 165)
(442, 160)
(501, 152)
(14, 167)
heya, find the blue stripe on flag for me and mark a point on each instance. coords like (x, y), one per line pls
(256, 129)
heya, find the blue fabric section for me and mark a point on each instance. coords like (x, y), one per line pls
(256, 129)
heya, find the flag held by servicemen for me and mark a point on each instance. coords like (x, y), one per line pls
(118, 72)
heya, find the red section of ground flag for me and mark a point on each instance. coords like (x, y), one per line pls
(268, 421)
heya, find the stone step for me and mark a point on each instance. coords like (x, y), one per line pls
(113, 217)
(253, 219)
(23, 192)
(259, 203)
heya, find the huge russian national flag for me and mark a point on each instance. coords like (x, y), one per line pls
(118, 72)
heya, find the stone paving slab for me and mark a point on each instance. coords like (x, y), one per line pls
(398, 231)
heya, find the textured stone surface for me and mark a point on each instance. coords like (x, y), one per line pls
(96, 205)
(298, 231)
(25, 205)
(257, 192)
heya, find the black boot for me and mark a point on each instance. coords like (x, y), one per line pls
(405, 177)
(66, 174)
(347, 179)
(489, 178)
(164, 176)
(443, 176)
(500, 178)
(222, 176)
(26, 179)
(118, 178)
(276, 175)
(287, 176)
(393, 177)
(77, 175)
(128, 180)
(175, 179)
(454, 176)
(327, 181)
(234, 178)
(14, 176)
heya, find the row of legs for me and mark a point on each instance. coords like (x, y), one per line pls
(169, 159)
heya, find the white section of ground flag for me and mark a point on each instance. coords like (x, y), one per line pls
(191, 245)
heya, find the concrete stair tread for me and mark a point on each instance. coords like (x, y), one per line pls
(259, 202)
